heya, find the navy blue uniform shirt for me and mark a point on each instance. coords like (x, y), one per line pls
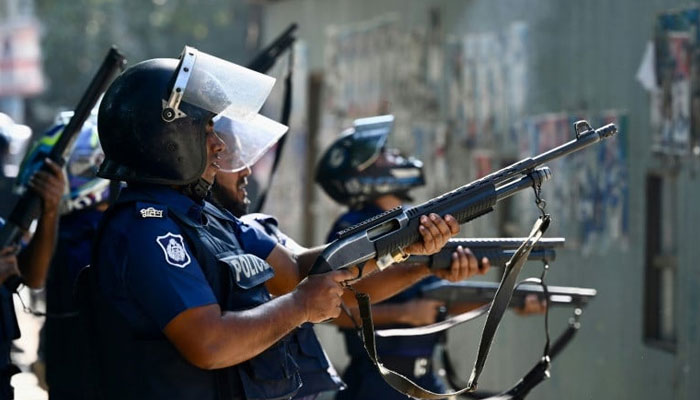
(147, 270)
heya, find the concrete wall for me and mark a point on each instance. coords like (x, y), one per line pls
(583, 56)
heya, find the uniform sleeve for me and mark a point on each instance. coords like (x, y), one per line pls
(255, 242)
(162, 274)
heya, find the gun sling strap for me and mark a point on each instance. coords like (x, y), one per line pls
(495, 313)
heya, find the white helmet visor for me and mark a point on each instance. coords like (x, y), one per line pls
(216, 85)
(246, 140)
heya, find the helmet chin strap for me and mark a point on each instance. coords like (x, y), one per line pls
(198, 190)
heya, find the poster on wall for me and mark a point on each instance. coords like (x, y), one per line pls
(676, 103)
(375, 67)
(486, 81)
(588, 194)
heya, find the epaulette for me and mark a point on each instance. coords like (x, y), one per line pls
(262, 219)
(150, 210)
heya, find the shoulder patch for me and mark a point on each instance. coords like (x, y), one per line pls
(174, 249)
(263, 220)
(151, 212)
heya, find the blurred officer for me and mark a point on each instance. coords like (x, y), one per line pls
(359, 171)
(62, 344)
(32, 262)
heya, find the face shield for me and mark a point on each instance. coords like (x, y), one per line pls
(246, 140)
(369, 137)
(216, 85)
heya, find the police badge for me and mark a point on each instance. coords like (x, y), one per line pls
(174, 249)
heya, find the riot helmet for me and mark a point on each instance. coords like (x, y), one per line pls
(14, 140)
(84, 189)
(153, 118)
(358, 167)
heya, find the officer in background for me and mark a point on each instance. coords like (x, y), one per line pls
(229, 193)
(31, 263)
(176, 311)
(358, 171)
(62, 343)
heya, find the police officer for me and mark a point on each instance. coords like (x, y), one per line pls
(62, 344)
(176, 311)
(360, 172)
(230, 196)
(315, 369)
(31, 264)
(229, 192)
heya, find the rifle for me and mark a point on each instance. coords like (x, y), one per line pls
(483, 292)
(262, 63)
(267, 57)
(497, 250)
(28, 206)
(384, 236)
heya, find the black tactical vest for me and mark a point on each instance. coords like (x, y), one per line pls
(151, 368)
(317, 375)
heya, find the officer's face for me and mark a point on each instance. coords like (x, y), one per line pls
(214, 148)
(230, 191)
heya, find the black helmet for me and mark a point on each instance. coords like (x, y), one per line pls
(153, 118)
(357, 167)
